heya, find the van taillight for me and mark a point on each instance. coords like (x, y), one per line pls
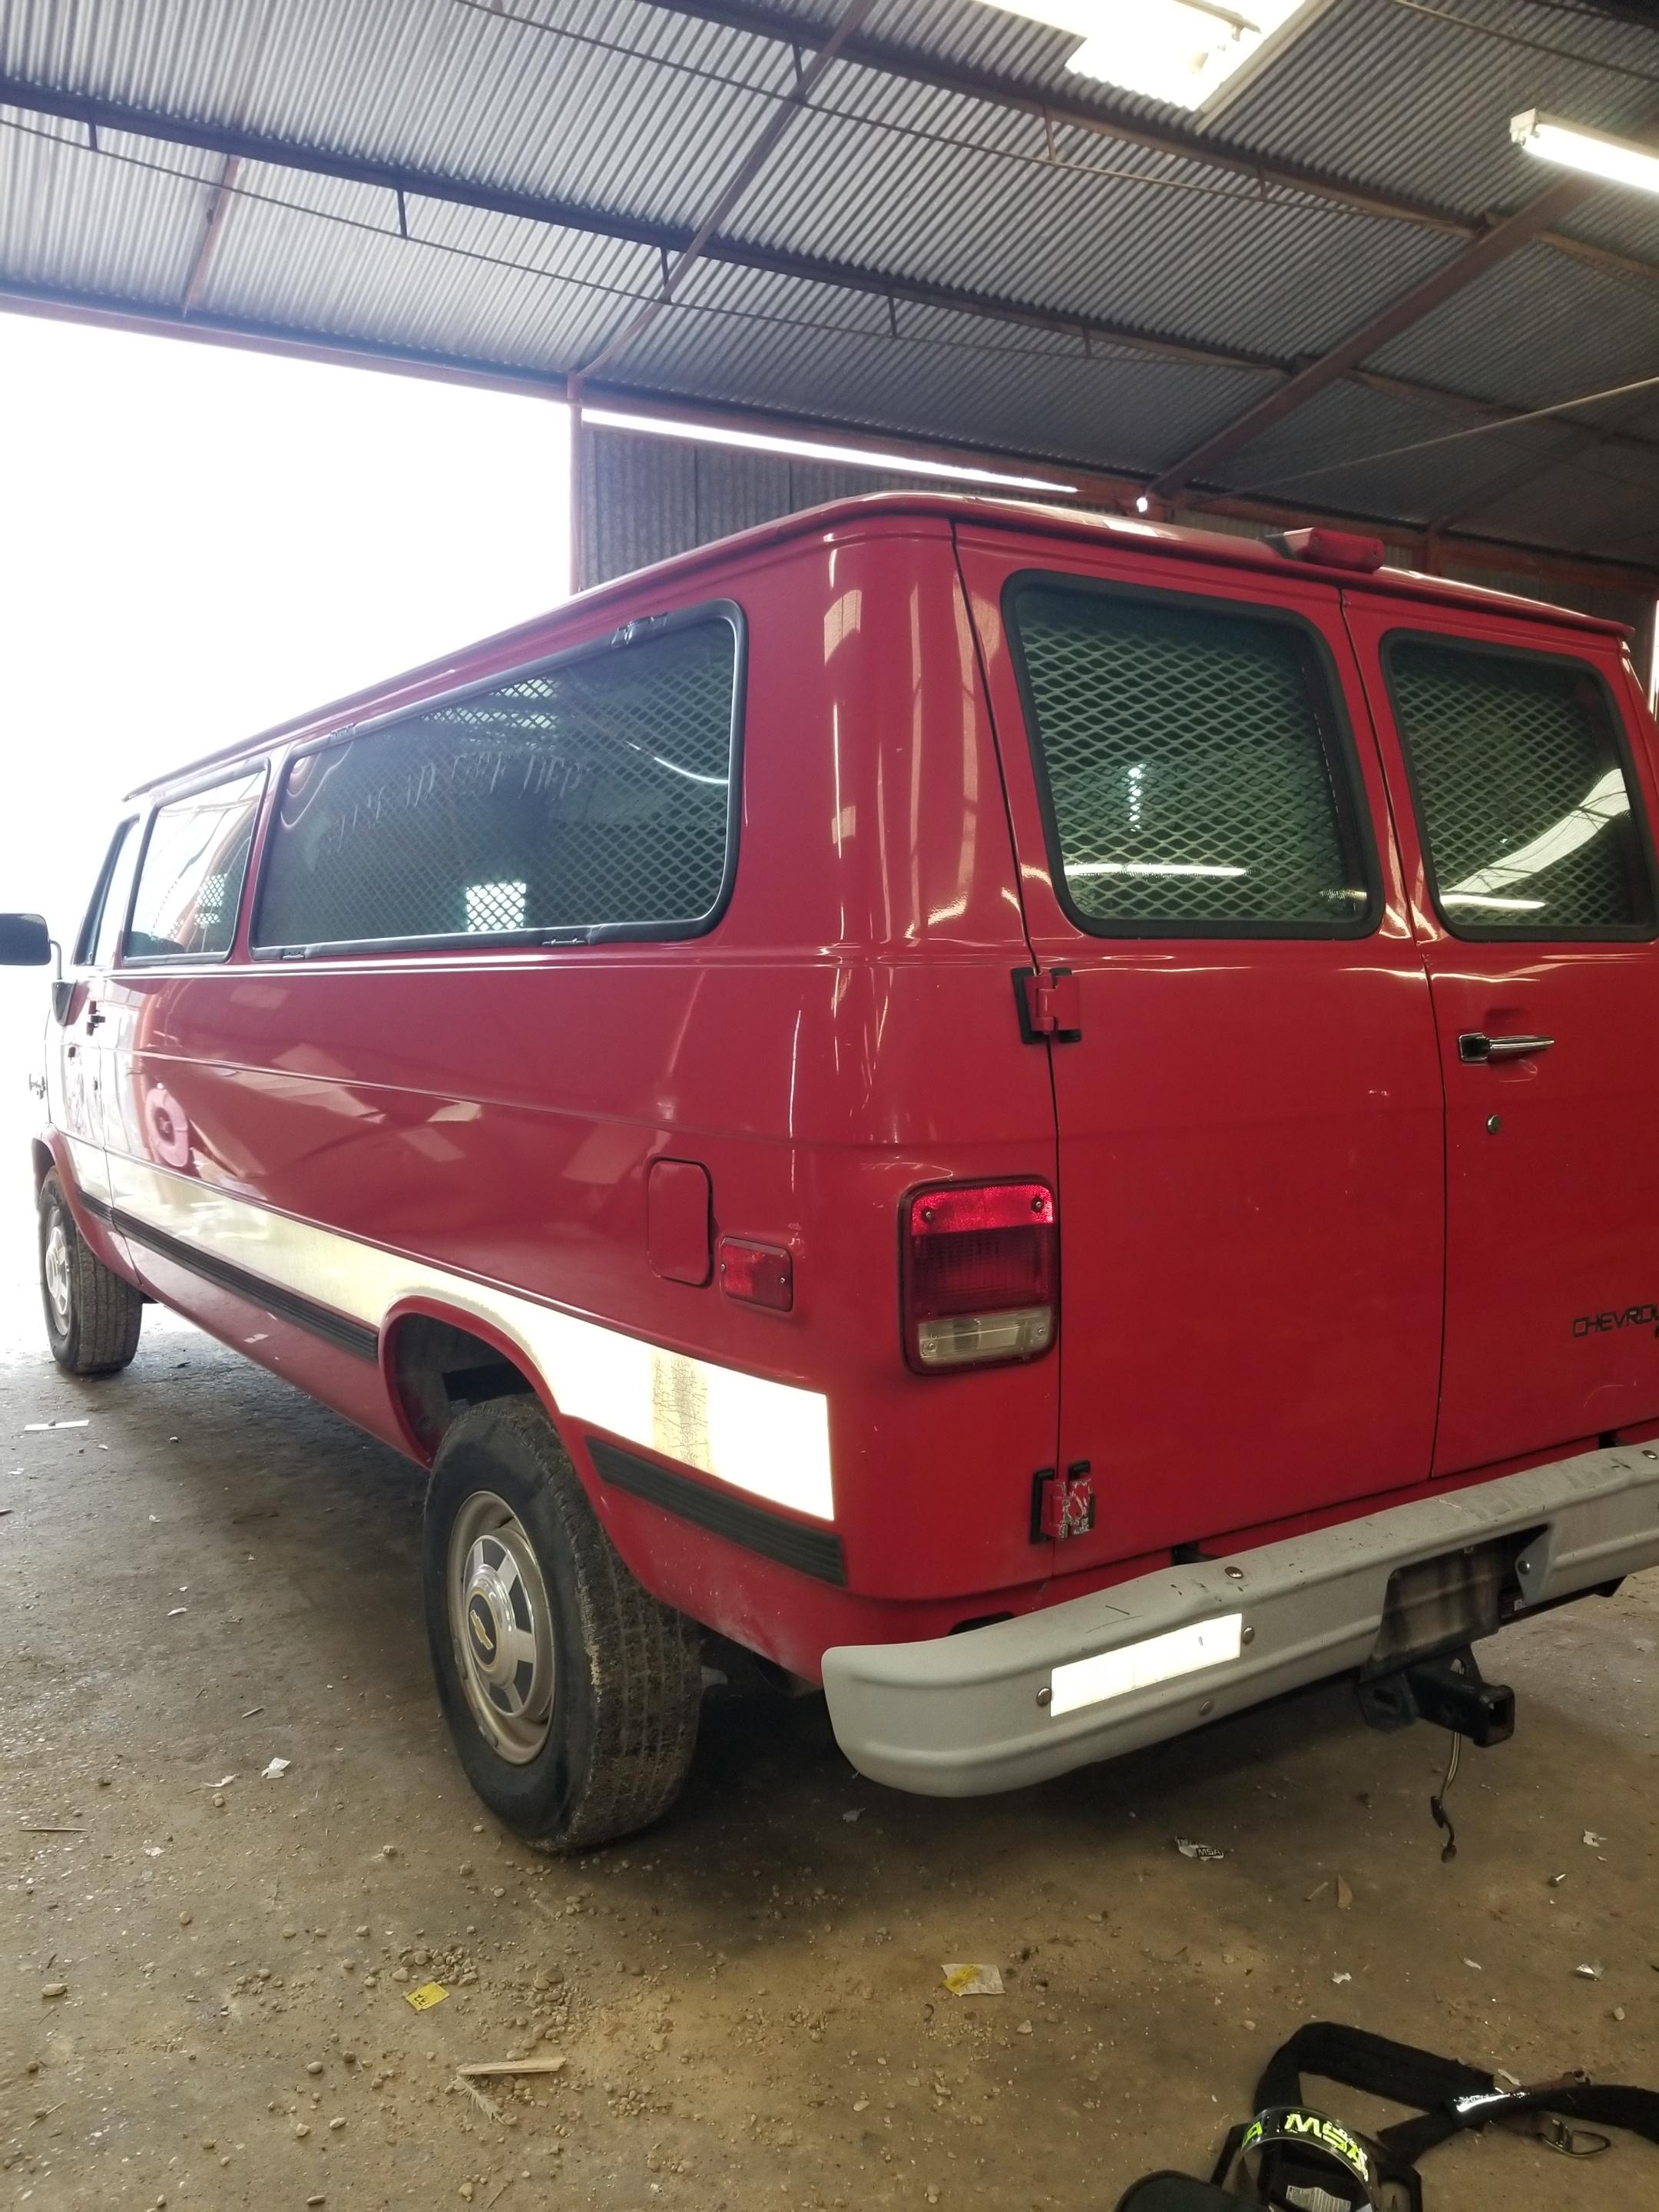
(981, 1270)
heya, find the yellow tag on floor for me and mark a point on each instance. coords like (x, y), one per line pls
(426, 1996)
(970, 1981)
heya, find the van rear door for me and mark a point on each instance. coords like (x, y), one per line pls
(1524, 796)
(1250, 1110)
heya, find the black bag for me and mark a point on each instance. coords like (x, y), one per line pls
(1283, 2154)
(1176, 2192)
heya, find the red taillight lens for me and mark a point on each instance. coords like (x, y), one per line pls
(981, 1272)
(760, 1274)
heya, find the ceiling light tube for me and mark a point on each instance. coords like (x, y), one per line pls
(1597, 153)
(852, 457)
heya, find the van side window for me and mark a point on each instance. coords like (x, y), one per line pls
(189, 880)
(117, 897)
(591, 795)
(1195, 779)
(106, 911)
(1523, 792)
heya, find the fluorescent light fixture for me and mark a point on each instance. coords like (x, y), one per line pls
(1597, 153)
(809, 449)
(1142, 1666)
(1179, 51)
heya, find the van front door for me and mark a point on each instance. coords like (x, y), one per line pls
(78, 1074)
(1248, 1102)
(1524, 798)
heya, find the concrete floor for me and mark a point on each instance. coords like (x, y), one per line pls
(214, 1572)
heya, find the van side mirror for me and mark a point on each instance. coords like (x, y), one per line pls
(25, 941)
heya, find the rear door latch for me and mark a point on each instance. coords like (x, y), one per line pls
(1049, 1004)
(1062, 1504)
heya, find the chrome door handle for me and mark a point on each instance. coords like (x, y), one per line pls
(1475, 1048)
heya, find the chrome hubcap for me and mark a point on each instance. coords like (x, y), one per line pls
(501, 1624)
(55, 1270)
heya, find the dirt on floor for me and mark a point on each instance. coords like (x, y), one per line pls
(210, 1965)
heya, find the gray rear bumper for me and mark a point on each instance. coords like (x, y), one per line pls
(959, 1715)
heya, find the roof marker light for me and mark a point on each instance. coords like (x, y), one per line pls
(1331, 549)
(1597, 153)
(852, 457)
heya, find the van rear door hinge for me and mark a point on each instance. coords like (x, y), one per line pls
(1049, 1004)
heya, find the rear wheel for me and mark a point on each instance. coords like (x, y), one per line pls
(572, 1695)
(93, 1315)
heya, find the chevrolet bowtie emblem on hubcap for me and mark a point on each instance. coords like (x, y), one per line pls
(482, 1622)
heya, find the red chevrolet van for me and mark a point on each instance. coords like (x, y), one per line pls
(1046, 1121)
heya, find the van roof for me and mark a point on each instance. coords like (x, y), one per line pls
(873, 510)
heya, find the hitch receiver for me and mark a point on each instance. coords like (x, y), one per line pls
(1449, 1691)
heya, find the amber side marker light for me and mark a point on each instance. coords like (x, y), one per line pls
(980, 1269)
(1332, 548)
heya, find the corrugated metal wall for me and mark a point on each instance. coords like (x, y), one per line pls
(644, 498)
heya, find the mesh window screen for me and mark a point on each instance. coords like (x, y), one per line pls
(1520, 783)
(591, 793)
(189, 883)
(1187, 762)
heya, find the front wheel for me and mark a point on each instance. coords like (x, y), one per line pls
(572, 1695)
(93, 1315)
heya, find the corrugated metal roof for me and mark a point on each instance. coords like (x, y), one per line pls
(820, 352)
(632, 115)
(1392, 92)
(1623, 522)
(1354, 448)
(1558, 328)
(1280, 278)
(465, 283)
(1410, 95)
(92, 222)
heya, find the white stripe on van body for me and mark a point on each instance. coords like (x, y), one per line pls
(770, 1439)
(91, 1172)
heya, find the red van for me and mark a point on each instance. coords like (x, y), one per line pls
(1047, 1121)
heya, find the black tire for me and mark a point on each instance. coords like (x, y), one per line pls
(93, 1329)
(626, 1680)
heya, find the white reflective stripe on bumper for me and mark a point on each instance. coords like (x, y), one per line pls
(769, 1439)
(1132, 1667)
(960, 1716)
